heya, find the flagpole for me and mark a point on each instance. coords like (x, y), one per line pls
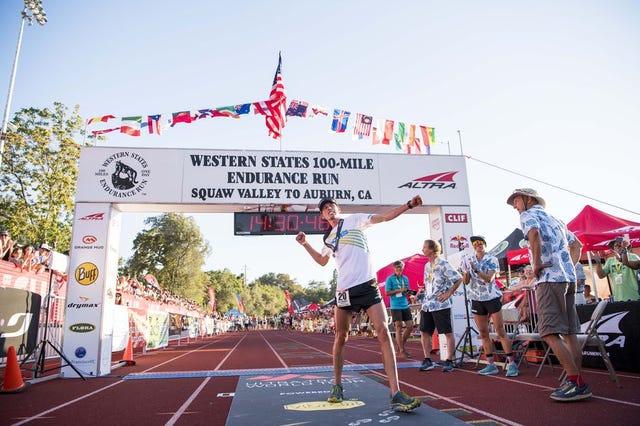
(460, 141)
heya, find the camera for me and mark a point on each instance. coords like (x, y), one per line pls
(412, 292)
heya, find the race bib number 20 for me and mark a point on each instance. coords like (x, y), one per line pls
(342, 299)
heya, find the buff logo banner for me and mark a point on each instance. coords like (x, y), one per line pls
(19, 316)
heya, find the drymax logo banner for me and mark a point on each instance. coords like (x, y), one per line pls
(442, 180)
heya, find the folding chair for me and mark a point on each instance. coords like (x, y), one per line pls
(590, 337)
(528, 333)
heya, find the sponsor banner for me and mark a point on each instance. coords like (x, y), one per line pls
(120, 328)
(86, 282)
(618, 329)
(12, 277)
(456, 222)
(158, 328)
(275, 177)
(19, 317)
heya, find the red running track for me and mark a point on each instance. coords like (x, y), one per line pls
(206, 400)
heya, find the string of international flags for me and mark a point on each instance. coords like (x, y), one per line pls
(407, 137)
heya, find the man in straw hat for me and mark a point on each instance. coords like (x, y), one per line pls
(554, 251)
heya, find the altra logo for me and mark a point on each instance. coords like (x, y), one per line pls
(442, 180)
(94, 216)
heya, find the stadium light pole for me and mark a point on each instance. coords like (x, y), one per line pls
(32, 11)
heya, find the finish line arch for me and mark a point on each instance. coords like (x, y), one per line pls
(114, 180)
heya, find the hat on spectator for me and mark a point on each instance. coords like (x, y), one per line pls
(475, 238)
(615, 240)
(45, 246)
(528, 192)
(4, 232)
(324, 201)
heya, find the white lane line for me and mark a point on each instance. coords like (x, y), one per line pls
(73, 401)
(284, 364)
(188, 402)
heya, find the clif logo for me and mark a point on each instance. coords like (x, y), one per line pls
(442, 180)
(94, 216)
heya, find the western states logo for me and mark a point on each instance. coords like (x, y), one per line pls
(89, 242)
(86, 273)
(124, 174)
(443, 180)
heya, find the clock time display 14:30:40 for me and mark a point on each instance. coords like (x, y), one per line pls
(278, 223)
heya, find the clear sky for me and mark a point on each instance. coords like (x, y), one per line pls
(546, 89)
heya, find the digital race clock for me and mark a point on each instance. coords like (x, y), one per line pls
(282, 223)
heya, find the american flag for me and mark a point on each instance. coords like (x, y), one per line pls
(275, 108)
(363, 125)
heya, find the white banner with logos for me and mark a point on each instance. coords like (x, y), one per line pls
(91, 291)
(183, 176)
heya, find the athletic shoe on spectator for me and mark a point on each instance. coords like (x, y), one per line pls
(489, 370)
(571, 392)
(512, 370)
(448, 366)
(426, 365)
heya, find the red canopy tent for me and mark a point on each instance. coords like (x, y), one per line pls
(595, 228)
(518, 257)
(413, 270)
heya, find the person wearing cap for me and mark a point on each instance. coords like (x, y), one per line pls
(553, 252)
(43, 256)
(620, 269)
(357, 289)
(486, 304)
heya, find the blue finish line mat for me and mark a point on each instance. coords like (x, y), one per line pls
(301, 399)
(253, 372)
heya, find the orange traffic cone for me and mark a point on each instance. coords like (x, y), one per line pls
(127, 358)
(13, 382)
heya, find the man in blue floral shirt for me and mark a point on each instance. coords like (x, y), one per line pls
(554, 251)
(440, 283)
(486, 303)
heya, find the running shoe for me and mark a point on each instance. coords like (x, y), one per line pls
(489, 370)
(404, 403)
(447, 367)
(571, 392)
(337, 394)
(427, 365)
(512, 370)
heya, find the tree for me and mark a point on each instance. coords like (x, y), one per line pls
(174, 251)
(226, 285)
(39, 174)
